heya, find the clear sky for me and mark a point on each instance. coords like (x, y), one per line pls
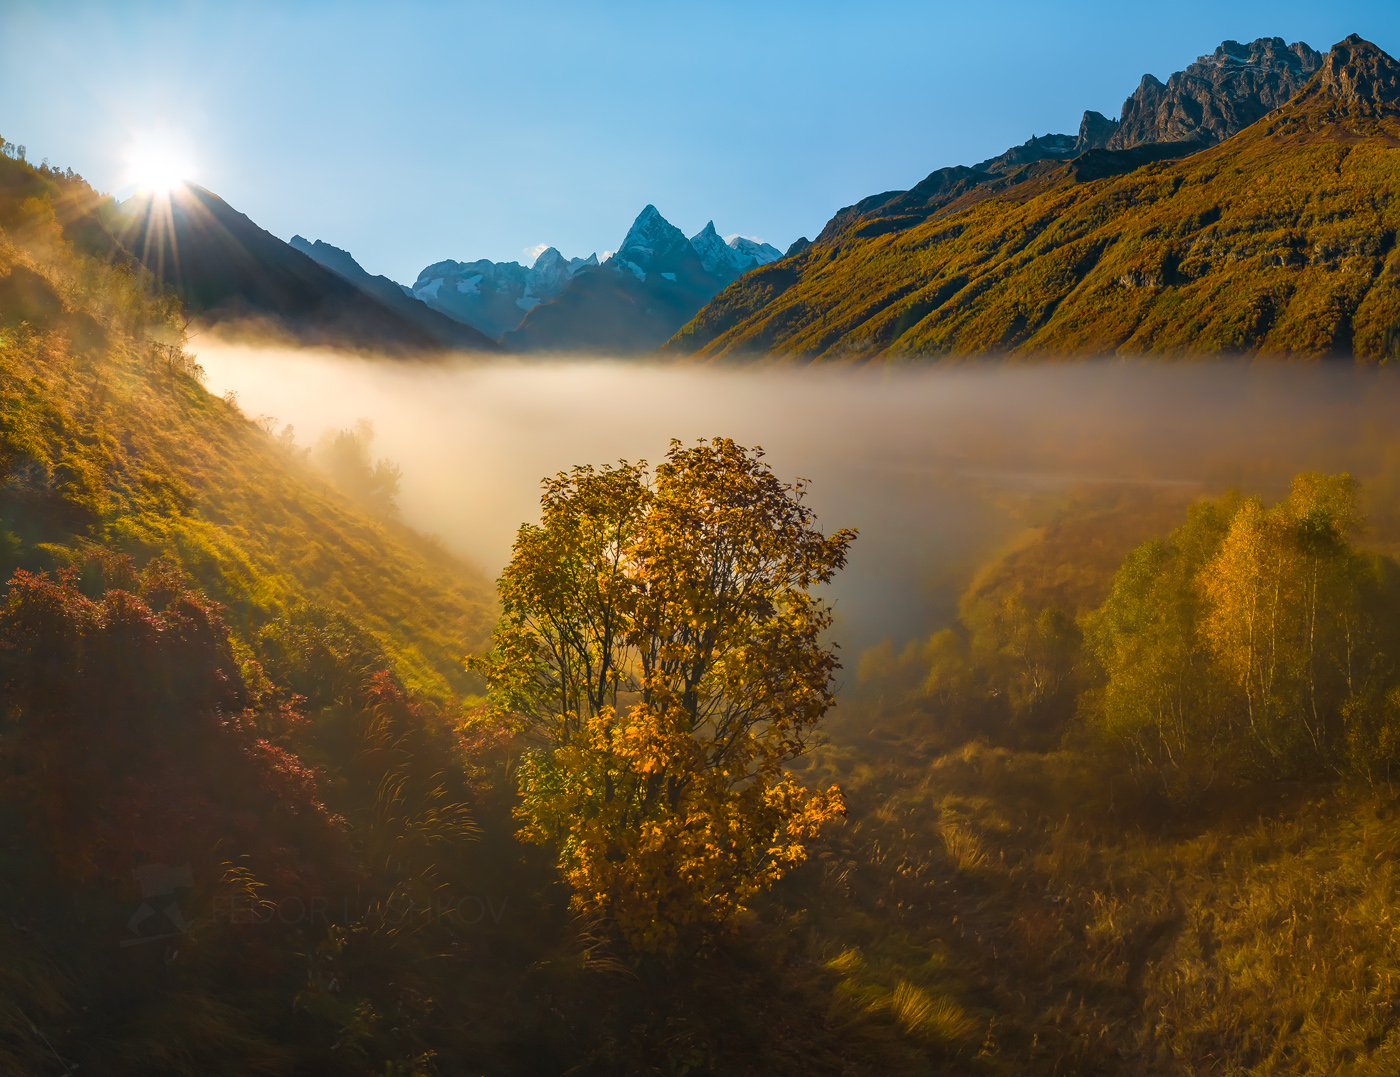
(411, 132)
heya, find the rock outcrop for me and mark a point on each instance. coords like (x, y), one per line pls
(1095, 131)
(1217, 96)
(1356, 70)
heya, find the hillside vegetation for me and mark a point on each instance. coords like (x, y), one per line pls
(1279, 241)
(108, 440)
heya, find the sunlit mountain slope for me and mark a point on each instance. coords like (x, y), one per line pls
(107, 439)
(1278, 241)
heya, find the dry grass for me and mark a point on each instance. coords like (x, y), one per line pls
(1075, 927)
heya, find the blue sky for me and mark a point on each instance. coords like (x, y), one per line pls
(412, 132)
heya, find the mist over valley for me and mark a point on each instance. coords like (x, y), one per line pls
(937, 467)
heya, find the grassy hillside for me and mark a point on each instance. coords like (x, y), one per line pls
(1278, 242)
(108, 440)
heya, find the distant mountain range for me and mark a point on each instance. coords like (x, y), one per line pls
(495, 296)
(1245, 206)
(631, 302)
(655, 281)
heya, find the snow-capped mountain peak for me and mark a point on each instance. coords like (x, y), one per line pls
(651, 237)
(546, 278)
(739, 255)
(712, 250)
(760, 253)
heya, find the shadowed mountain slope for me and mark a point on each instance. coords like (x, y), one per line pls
(225, 269)
(1278, 241)
(448, 332)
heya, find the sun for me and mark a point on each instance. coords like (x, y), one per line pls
(156, 168)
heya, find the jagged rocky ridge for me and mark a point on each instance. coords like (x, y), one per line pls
(1212, 99)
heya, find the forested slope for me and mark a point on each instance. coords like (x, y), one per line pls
(1279, 241)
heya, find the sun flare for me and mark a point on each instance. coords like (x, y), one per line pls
(157, 169)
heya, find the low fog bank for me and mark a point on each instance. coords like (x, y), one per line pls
(938, 467)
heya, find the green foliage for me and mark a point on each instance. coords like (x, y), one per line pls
(1255, 641)
(1164, 696)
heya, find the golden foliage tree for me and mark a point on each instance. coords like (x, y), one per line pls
(660, 644)
(1258, 639)
(1282, 616)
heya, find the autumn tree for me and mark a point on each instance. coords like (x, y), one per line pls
(660, 646)
(1258, 639)
(1165, 698)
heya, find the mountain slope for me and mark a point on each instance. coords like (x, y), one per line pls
(448, 332)
(1278, 241)
(226, 269)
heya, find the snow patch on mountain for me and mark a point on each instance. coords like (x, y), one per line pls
(737, 255)
(749, 247)
(494, 296)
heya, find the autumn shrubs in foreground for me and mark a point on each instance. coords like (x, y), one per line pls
(176, 866)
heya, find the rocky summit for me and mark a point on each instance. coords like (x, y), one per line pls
(1357, 72)
(1216, 96)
